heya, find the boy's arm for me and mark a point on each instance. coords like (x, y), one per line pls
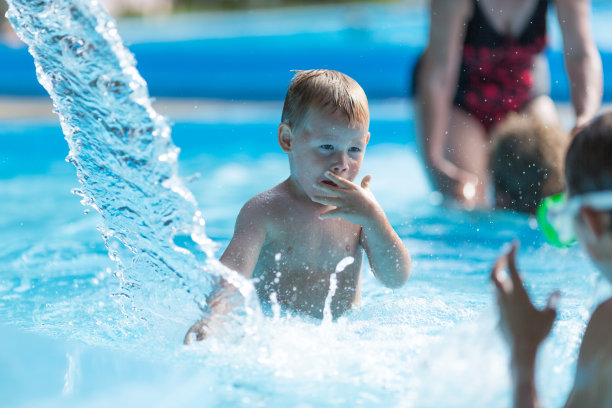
(241, 255)
(389, 258)
(523, 326)
(594, 370)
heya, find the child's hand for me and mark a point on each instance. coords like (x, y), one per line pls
(221, 303)
(198, 332)
(354, 203)
(523, 326)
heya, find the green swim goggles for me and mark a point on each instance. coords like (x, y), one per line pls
(556, 214)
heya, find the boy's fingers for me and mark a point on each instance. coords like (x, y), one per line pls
(335, 201)
(334, 213)
(339, 180)
(553, 301)
(202, 335)
(499, 265)
(198, 332)
(514, 275)
(328, 188)
(550, 310)
(365, 183)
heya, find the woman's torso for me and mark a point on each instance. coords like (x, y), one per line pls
(499, 53)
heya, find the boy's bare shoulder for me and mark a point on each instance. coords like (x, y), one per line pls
(266, 203)
(597, 341)
(594, 371)
(601, 321)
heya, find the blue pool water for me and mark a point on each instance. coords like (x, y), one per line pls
(70, 342)
(82, 329)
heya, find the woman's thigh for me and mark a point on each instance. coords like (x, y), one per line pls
(544, 109)
(468, 144)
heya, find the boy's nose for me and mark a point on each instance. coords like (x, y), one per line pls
(340, 163)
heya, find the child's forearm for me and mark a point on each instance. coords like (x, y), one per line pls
(523, 377)
(220, 303)
(388, 256)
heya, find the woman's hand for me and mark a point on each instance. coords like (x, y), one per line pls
(457, 183)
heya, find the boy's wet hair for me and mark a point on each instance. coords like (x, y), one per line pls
(526, 162)
(588, 163)
(324, 89)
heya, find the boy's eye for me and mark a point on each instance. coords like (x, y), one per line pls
(327, 147)
(355, 149)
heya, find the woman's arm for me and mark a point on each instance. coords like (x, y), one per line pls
(437, 84)
(582, 60)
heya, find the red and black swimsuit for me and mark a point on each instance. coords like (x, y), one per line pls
(497, 71)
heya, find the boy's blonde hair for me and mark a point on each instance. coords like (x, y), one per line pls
(526, 161)
(322, 89)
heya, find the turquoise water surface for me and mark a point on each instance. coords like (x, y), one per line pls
(95, 298)
(431, 343)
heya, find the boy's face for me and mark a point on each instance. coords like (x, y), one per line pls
(594, 232)
(325, 142)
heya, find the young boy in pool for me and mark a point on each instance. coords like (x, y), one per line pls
(291, 238)
(588, 172)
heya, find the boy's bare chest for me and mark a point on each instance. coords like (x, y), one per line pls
(299, 256)
(316, 246)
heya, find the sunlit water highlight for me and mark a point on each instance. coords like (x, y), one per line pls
(117, 338)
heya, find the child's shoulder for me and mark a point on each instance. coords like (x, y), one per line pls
(603, 311)
(598, 335)
(594, 371)
(267, 202)
(602, 316)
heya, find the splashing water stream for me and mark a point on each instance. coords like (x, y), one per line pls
(333, 285)
(125, 160)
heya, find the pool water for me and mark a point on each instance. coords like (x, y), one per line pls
(430, 343)
(88, 322)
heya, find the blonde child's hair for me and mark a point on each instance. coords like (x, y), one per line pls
(324, 89)
(526, 161)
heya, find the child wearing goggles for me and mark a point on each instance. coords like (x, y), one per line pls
(586, 212)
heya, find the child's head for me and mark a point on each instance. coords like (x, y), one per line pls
(588, 163)
(588, 171)
(324, 89)
(324, 128)
(526, 162)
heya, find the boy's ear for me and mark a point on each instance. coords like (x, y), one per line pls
(368, 138)
(285, 137)
(594, 220)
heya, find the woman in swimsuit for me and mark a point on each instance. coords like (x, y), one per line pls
(484, 59)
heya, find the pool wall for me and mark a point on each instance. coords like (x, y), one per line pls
(250, 55)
